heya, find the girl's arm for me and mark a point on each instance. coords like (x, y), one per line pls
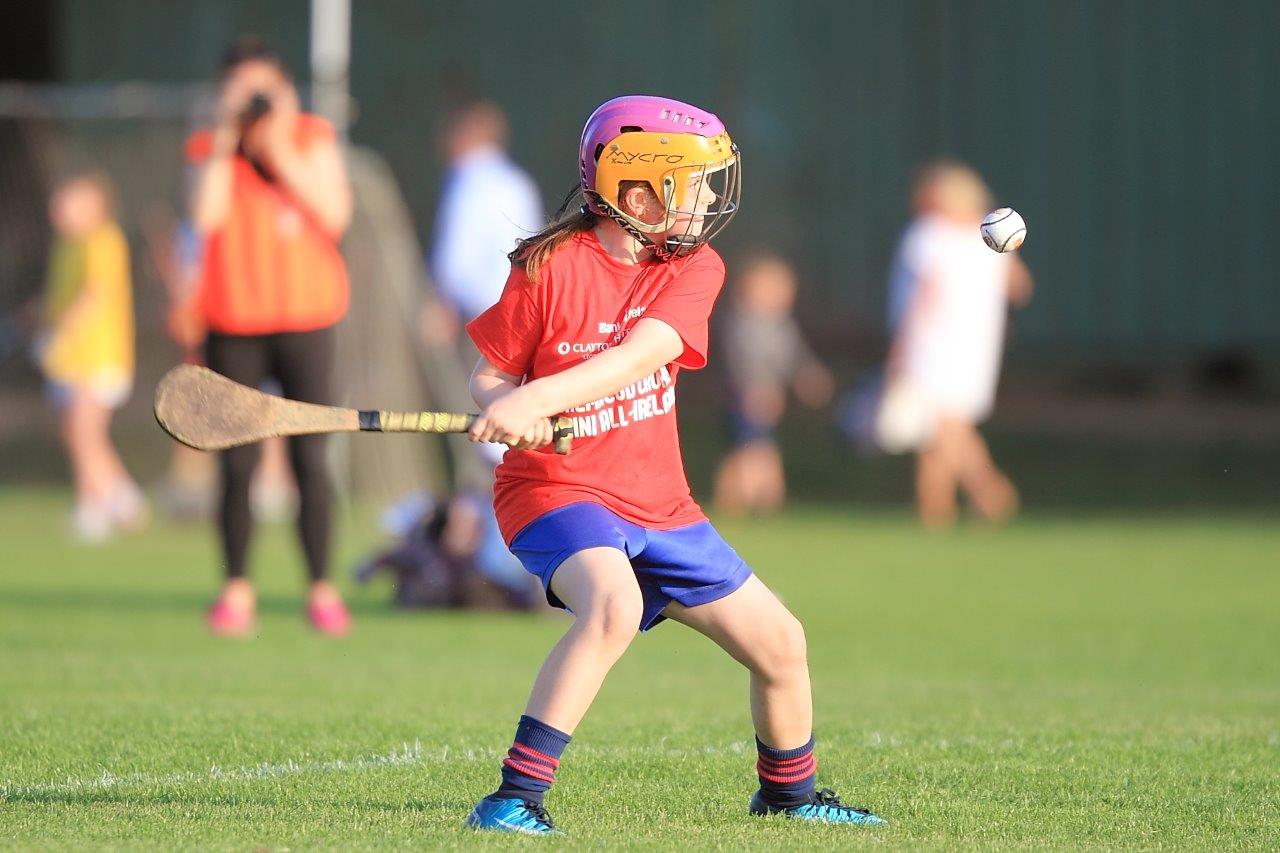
(106, 266)
(1020, 284)
(513, 412)
(316, 177)
(80, 310)
(211, 195)
(488, 384)
(211, 199)
(812, 381)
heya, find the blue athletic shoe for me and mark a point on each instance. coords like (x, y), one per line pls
(823, 807)
(508, 814)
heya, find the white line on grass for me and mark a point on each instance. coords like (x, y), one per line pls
(406, 755)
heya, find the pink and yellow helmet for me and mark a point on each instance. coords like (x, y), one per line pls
(680, 151)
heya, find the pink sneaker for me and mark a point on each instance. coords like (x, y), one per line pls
(330, 617)
(227, 620)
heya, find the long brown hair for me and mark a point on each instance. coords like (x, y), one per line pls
(531, 253)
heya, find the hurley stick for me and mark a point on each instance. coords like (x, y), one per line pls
(207, 411)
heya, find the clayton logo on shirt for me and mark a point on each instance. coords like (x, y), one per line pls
(585, 350)
(618, 330)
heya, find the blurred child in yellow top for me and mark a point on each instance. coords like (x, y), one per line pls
(87, 349)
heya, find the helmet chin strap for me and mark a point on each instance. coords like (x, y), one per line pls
(663, 252)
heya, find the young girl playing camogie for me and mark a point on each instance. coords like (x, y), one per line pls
(618, 296)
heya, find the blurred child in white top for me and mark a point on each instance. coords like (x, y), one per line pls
(948, 296)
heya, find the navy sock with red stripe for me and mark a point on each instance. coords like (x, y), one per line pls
(786, 775)
(530, 765)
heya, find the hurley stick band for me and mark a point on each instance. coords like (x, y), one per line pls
(372, 420)
(376, 421)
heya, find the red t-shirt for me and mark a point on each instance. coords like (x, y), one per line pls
(626, 452)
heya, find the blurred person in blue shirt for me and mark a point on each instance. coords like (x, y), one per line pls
(487, 203)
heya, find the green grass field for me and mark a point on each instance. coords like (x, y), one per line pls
(1063, 683)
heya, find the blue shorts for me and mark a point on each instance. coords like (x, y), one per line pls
(690, 565)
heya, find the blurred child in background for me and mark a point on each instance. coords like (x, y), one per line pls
(87, 350)
(948, 295)
(766, 354)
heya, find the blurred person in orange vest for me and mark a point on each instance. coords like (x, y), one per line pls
(766, 356)
(87, 350)
(271, 199)
(948, 297)
(186, 493)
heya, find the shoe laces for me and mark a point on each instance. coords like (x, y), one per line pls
(539, 811)
(827, 798)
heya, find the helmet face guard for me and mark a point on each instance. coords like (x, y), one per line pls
(701, 201)
(683, 155)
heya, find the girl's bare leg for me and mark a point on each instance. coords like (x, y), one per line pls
(993, 496)
(85, 428)
(80, 474)
(936, 481)
(600, 587)
(730, 490)
(754, 627)
(772, 487)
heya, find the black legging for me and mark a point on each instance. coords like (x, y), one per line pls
(303, 364)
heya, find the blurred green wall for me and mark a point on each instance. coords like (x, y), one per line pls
(1136, 137)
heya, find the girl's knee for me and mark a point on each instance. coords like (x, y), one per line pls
(613, 617)
(785, 650)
